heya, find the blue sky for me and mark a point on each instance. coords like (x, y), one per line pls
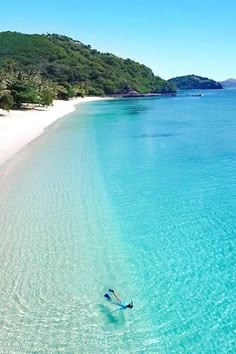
(173, 37)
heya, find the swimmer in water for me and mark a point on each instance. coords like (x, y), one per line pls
(122, 304)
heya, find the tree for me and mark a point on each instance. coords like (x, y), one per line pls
(46, 97)
(6, 102)
(64, 92)
(24, 92)
(18, 87)
(81, 90)
(9, 65)
(66, 61)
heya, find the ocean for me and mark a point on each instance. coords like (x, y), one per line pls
(134, 194)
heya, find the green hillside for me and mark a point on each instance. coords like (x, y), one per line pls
(190, 82)
(67, 61)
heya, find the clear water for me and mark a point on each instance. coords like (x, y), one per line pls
(138, 195)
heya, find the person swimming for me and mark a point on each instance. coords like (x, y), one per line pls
(122, 304)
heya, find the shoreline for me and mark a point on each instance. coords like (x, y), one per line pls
(18, 128)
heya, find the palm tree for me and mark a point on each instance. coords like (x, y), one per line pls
(9, 65)
(3, 83)
(6, 100)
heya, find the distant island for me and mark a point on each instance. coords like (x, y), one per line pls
(191, 82)
(228, 83)
(65, 68)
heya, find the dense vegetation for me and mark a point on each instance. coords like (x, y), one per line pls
(190, 82)
(18, 87)
(71, 64)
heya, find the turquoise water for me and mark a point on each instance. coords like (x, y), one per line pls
(138, 195)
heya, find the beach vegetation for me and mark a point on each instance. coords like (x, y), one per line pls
(23, 92)
(6, 102)
(81, 90)
(75, 67)
(18, 87)
(46, 97)
(64, 92)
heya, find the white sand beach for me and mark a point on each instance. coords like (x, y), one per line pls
(18, 128)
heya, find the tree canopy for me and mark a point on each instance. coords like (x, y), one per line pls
(18, 87)
(70, 63)
(190, 82)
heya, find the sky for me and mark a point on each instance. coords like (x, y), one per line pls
(172, 37)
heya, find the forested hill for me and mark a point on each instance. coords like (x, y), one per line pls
(67, 61)
(190, 82)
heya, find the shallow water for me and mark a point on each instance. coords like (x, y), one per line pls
(138, 195)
